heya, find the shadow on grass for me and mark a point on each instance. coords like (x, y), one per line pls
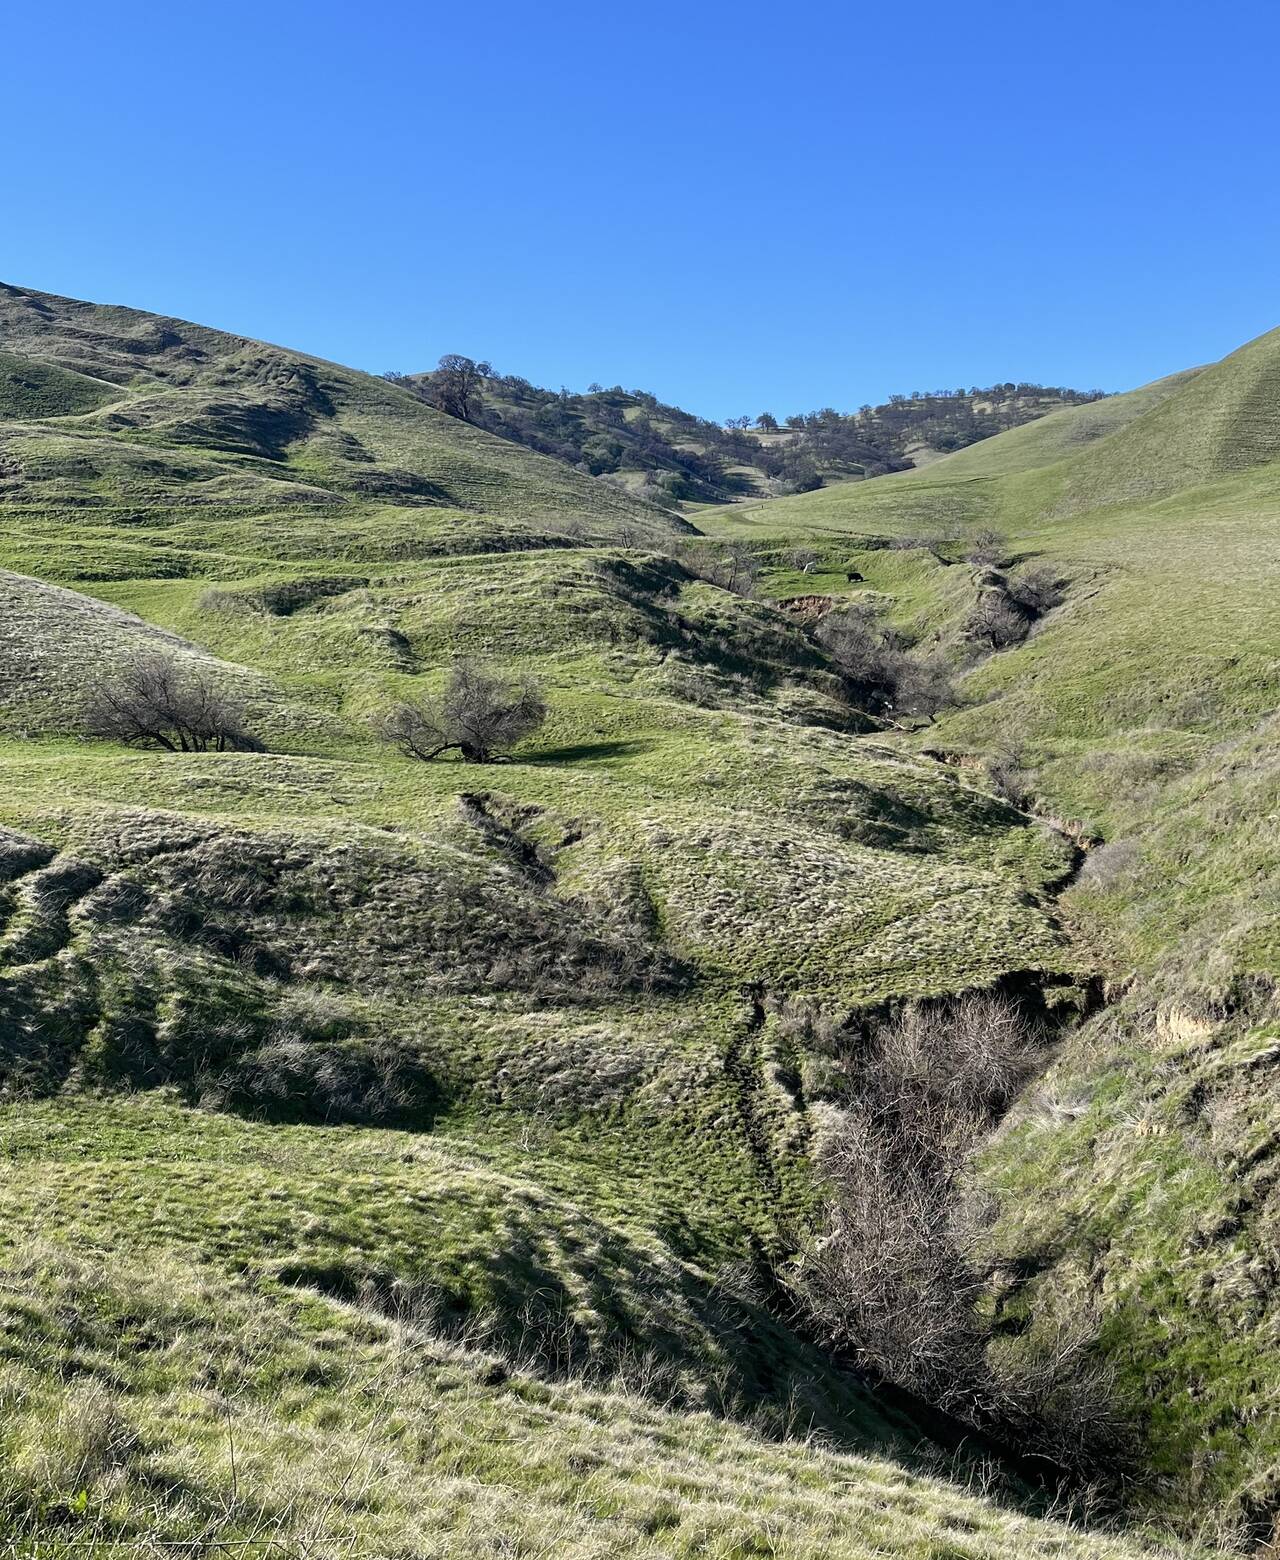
(583, 752)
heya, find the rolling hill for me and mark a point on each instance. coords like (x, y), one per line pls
(104, 408)
(673, 457)
(439, 1159)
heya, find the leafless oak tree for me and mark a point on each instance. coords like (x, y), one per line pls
(481, 714)
(732, 566)
(157, 701)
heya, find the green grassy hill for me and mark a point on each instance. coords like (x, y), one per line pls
(1141, 1172)
(415, 1158)
(115, 408)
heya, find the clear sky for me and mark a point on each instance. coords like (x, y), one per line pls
(740, 207)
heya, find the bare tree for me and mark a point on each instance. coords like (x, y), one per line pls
(732, 566)
(988, 549)
(865, 654)
(157, 701)
(455, 385)
(1037, 591)
(481, 714)
(996, 622)
(891, 1278)
(925, 685)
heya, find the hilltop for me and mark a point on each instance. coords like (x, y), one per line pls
(104, 407)
(672, 457)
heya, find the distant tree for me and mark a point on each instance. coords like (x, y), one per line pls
(732, 566)
(595, 388)
(767, 421)
(157, 701)
(394, 376)
(797, 471)
(601, 453)
(455, 386)
(481, 714)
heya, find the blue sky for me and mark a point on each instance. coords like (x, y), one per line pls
(739, 207)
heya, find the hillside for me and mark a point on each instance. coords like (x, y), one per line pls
(1139, 1176)
(671, 456)
(103, 408)
(640, 444)
(430, 1158)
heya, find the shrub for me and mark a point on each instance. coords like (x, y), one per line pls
(1007, 775)
(895, 1279)
(480, 715)
(996, 622)
(1108, 865)
(732, 566)
(883, 674)
(865, 655)
(157, 701)
(925, 685)
(1037, 591)
(988, 549)
(890, 1280)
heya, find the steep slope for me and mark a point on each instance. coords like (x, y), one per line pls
(1139, 1181)
(192, 1410)
(1060, 433)
(1224, 420)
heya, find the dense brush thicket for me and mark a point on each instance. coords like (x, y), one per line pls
(898, 1277)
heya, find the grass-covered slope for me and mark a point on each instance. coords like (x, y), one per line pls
(118, 409)
(155, 1402)
(1139, 1181)
(406, 1154)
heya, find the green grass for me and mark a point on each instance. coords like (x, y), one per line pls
(206, 420)
(1142, 708)
(34, 390)
(153, 1406)
(388, 1069)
